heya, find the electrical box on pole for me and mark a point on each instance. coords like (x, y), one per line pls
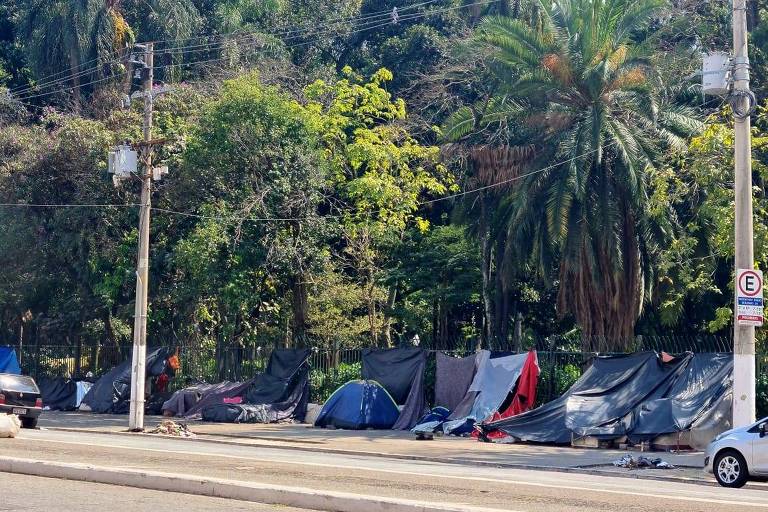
(715, 73)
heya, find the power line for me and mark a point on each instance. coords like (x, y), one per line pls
(323, 29)
(207, 46)
(377, 16)
(519, 177)
(363, 29)
(63, 205)
(420, 204)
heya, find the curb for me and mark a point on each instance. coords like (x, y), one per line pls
(584, 470)
(298, 497)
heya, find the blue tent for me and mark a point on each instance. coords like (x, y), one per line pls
(359, 405)
(8, 361)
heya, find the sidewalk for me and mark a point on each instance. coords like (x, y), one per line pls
(388, 443)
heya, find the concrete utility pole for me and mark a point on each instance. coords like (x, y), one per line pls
(743, 335)
(138, 363)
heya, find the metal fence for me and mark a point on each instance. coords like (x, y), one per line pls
(560, 361)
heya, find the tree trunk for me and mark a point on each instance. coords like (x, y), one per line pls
(109, 330)
(605, 301)
(487, 271)
(300, 310)
(387, 327)
(517, 337)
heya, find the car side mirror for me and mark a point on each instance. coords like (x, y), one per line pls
(763, 429)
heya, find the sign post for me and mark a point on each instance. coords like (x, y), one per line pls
(749, 297)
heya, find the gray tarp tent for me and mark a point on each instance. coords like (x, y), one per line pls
(608, 401)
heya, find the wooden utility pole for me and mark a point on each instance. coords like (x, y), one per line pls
(743, 335)
(138, 362)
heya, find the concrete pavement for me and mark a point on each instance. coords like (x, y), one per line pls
(381, 442)
(457, 484)
(21, 493)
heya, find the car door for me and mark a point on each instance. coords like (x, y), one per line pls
(760, 452)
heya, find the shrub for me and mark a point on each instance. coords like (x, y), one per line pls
(323, 383)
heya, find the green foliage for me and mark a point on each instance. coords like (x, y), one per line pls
(762, 395)
(323, 383)
(555, 380)
(304, 169)
(585, 92)
(696, 266)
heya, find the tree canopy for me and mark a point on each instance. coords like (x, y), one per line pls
(353, 173)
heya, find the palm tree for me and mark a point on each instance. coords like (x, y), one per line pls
(74, 40)
(83, 42)
(586, 92)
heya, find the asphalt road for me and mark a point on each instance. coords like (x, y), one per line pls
(502, 488)
(21, 493)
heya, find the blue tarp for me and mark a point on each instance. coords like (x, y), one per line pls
(8, 361)
(359, 405)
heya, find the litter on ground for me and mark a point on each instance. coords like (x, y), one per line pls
(631, 462)
(171, 428)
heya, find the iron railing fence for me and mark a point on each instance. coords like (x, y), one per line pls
(560, 359)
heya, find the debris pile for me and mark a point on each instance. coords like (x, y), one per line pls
(9, 425)
(630, 462)
(171, 428)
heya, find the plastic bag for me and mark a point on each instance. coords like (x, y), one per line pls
(10, 425)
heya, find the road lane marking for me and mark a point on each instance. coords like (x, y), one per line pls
(429, 474)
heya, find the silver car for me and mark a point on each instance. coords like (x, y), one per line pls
(739, 454)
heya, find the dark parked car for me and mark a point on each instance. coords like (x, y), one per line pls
(20, 395)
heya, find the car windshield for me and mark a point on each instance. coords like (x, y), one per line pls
(20, 383)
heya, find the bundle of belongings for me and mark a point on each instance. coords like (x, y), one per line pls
(639, 397)
(390, 396)
(280, 393)
(641, 462)
(8, 361)
(481, 387)
(111, 394)
(62, 393)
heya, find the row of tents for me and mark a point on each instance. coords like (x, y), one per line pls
(637, 397)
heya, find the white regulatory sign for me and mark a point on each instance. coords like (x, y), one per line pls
(749, 297)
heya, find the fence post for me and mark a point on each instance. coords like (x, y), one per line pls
(78, 356)
(37, 358)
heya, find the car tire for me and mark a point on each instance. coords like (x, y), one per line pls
(730, 469)
(29, 422)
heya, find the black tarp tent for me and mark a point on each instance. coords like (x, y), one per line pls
(280, 393)
(401, 372)
(58, 393)
(185, 400)
(608, 400)
(112, 392)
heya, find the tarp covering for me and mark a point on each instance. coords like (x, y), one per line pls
(494, 381)
(8, 361)
(112, 392)
(183, 400)
(453, 375)
(280, 393)
(525, 392)
(58, 394)
(401, 372)
(608, 400)
(359, 405)
(703, 381)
